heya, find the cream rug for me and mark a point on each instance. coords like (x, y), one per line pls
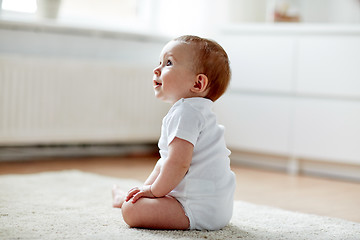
(77, 205)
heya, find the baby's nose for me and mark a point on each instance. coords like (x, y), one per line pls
(157, 71)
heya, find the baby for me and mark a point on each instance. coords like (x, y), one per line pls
(192, 185)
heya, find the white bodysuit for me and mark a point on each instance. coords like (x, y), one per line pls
(207, 190)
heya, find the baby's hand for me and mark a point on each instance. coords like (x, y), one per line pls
(136, 193)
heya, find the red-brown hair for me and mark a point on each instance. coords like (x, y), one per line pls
(211, 60)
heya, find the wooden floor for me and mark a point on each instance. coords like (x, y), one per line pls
(295, 193)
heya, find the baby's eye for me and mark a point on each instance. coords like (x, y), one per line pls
(169, 63)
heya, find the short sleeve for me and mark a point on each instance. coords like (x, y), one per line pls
(185, 123)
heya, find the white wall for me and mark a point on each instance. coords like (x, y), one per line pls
(310, 11)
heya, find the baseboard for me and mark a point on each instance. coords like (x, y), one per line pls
(310, 167)
(252, 159)
(342, 171)
(21, 153)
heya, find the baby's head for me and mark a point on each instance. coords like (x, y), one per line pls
(211, 60)
(191, 66)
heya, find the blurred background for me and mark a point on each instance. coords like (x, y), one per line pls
(75, 78)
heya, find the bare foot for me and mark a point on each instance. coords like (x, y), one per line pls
(118, 196)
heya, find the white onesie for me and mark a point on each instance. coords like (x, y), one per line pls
(207, 190)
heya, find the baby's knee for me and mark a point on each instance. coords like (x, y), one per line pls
(130, 214)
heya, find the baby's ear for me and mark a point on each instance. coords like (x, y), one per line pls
(200, 84)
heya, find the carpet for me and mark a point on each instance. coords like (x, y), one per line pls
(77, 205)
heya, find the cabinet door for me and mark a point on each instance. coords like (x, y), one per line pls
(255, 123)
(328, 129)
(329, 66)
(261, 62)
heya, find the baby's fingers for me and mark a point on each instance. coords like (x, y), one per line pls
(137, 196)
(131, 193)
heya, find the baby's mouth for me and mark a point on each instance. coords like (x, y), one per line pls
(156, 83)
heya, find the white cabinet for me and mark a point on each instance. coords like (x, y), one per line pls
(329, 65)
(261, 63)
(327, 129)
(255, 122)
(294, 93)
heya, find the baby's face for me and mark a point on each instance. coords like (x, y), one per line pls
(174, 77)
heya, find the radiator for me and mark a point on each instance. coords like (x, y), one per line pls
(53, 101)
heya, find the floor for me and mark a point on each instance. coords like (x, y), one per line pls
(296, 193)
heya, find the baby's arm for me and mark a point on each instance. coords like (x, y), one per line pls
(171, 173)
(146, 188)
(154, 174)
(174, 168)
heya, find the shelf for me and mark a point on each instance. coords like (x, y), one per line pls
(291, 28)
(82, 29)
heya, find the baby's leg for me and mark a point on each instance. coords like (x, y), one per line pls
(118, 197)
(155, 213)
